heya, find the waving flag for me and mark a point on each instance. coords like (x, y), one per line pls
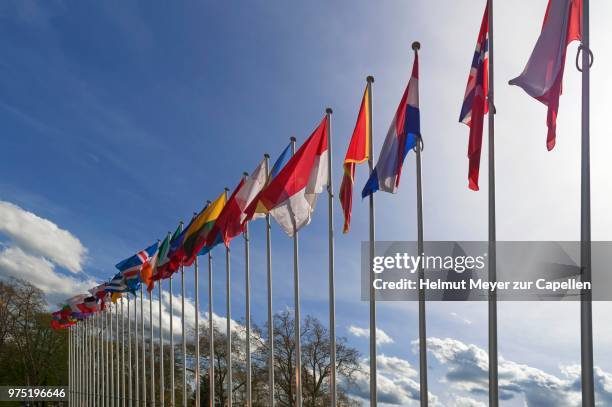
(357, 152)
(292, 195)
(198, 230)
(543, 75)
(131, 267)
(117, 284)
(401, 137)
(162, 265)
(475, 104)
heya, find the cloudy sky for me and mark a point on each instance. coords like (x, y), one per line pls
(122, 118)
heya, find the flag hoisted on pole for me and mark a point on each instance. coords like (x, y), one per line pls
(418, 148)
(211, 331)
(247, 286)
(332, 287)
(372, 298)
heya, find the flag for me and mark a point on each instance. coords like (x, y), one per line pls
(162, 265)
(401, 137)
(131, 267)
(358, 151)
(175, 253)
(292, 195)
(543, 75)
(255, 182)
(475, 104)
(231, 221)
(280, 162)
(117, 285)
(101, 294)
(198, 230)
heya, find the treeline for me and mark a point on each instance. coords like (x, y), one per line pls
(33, 354)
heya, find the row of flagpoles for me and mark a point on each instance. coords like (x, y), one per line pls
(287, 192)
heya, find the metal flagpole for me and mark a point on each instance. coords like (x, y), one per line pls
(183, 337)
(136, 351)
(228, 317)
(88, 353)
(144, 348)
(100, 359)
(247, 278)
(123, 392)
(171, 344)
(424, 395)
(332, 286)
(161, 347)
(197, 333)
(493, 361)
(117, 354)
(373, 387)
(151, 351)
(211, 338)
(129, 322)
(296, 295)
(113, 391)
(270, 316)
(79, 366)
(70, 365)
(586, 317)
(106, 359)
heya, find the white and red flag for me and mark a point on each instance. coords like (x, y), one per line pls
(543, 75)
(291, 196)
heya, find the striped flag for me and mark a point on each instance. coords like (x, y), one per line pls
(543, 75)
(475, 104)
(132, 267)
(401, 137)
(292, 195)
(357, 153)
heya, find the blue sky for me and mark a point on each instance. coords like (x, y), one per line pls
(122, 118)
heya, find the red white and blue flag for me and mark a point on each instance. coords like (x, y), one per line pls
(543, 75)
(401, 138)
(475, 104)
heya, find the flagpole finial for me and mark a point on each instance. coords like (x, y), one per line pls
(226, 189)
(246, 174)
(416, 45)
(292, 139)
(329, 110)
(370, 79)
(266, 155)
(207, 201)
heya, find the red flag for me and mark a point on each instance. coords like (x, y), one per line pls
(543, 75)
(475, 100)
(357, 152)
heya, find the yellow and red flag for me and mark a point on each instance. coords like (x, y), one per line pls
(357, 153)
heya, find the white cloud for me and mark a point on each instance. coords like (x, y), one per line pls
(460, 401)
(40, 272)
(468, 371)
(396, 384)
(381, 336)
(41, 237)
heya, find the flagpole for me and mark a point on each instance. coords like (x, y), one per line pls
(373, 378)
(172, 401)
(332, 286)
(136, 351)
(270, 316)
(296, 298)
(197, 334)
(70, 365)
(493, 359)
(211, 363)
(89, 363)
(112, 391)
(100, 360)
(228, 305)
(161, 348)
(118, 388)
(586, 317)
(144, 348)
(183, 337)
(247, 277)
(106, 359)
(151, 352)
(123, 388)
(129, 321)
